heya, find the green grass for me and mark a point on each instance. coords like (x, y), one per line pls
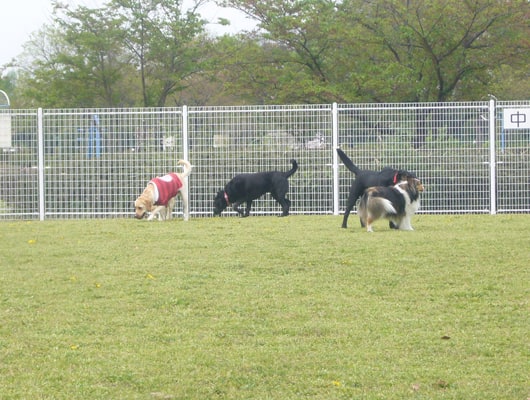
(265, 308)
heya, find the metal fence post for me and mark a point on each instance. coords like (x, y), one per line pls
(493, 161)
(335, 161)
(185, 147)
(40, 146)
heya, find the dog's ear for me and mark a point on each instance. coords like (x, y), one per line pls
(408, 174)
(403, 175)
(147, 202)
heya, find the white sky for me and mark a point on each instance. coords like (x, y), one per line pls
(20, 18)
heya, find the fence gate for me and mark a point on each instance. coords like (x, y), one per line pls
(513, 157)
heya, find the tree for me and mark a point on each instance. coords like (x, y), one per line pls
(440, 51)
(441, 46)
(75, 62)
(293, 60)
(7, 84)
(95, 58)
(127, 53)
(164, 43)
(390, 50)
(156, 52)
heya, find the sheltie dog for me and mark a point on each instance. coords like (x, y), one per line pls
(366, 178)
(397, 203)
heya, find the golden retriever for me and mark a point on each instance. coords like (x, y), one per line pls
(158, 198)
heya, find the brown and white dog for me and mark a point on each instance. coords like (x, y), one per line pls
(365, 178)
(397, 203)
(159, 196)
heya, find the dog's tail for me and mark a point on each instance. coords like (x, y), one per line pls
(187, 167)
(347, 162)
(293, 169)
(375, 205)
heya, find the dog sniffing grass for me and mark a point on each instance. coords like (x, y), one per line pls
(245, 188)
(159, 197)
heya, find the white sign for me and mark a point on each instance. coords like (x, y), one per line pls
(516, 118)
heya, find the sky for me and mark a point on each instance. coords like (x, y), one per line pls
(20, 18)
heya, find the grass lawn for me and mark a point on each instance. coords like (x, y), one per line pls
(265, 308)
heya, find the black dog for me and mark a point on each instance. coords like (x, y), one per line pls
(365, 179)
(248, 187)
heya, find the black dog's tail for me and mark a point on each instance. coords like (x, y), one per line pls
(292, 170)
(347, 162)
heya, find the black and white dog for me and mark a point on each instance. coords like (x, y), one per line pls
(397, 204)
(367, 178)
(248, 187)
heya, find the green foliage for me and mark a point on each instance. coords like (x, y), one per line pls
(151, 53)
(7, 84)
(127, 53)
(388, 50)
(163, 42)
(265, 308)
(511, 82)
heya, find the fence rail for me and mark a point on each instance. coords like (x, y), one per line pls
(474, 157)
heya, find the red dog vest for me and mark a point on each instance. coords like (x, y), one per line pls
(168, 186)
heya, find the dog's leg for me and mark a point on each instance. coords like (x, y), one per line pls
(369, 222)
(162, 213)
(286, 207)
(169, 208)
(156, 212)
(393, 222)
(355, 193)
(405, 224)
(365, 216)
(247, 208)
(185, 201)
(236, 208)
(279, 193)
(346, 215)
(284, 202)
(361, 212)
(152, 215)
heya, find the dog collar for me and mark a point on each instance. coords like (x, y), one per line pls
(226, 198)
(395, 178)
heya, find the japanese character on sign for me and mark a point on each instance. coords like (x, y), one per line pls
(516, 118)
